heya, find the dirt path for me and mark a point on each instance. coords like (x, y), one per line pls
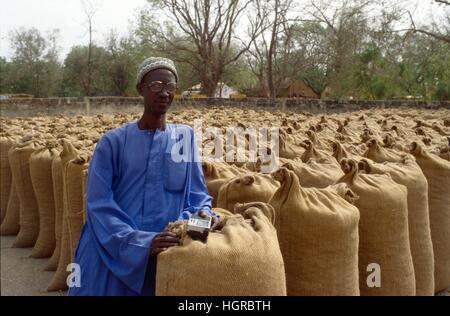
(22, 275)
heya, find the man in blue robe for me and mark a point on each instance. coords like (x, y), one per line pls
(139, 180)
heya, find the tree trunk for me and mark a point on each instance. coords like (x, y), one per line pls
(270, 83)
(272, 52)
(89, 74)
(209, 79)
(209, 88)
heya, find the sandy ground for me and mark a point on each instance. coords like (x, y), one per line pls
(22, 275)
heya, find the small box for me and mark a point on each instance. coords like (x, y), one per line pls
(198, 227)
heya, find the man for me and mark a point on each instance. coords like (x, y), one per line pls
(137, 184)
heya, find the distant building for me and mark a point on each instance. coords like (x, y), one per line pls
(296, 89)
(16, 96)
(222, 91)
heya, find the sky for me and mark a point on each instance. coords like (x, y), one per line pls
(68, 17)
(65, 15)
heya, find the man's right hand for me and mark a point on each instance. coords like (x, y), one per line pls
(162, 241)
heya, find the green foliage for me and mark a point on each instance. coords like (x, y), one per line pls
(34, 67)
(75, 70)
(379, 89)
(442, 92)
(418, 69)
(315, 78)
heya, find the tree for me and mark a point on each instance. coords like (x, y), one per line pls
(5, 84)
(439, 31)
(202, 33)
(270, 56)
(76, 76)
(316, 79)
(34, 66)
(425, 67)
(120, 63)
(239, 76)
(53, 67)
(311, 39)
(400, 64)
(345, 22)
(90, 9)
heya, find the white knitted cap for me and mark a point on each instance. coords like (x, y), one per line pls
(153, 63)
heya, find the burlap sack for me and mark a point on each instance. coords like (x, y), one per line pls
(265, 208)
(344, 129)
(218, 170)
(267, 164)
(59, 279)
(57, 182)
(409, 174)
(242, 259)
(319, 143)
(73, 191)
(311, 152)
(216, 174)
(445, 155)
(246, 188)
(339, 151)
(383, 231)
(222, 213)
(84, 175)
(58, 282)
(318, 173)
(380, 154)
(19, 156)
(10, 224)
(366, 135)
(41, 177)
(394, 142)
(289, 150)
(6, 142)
(437, 172)
(318, 234)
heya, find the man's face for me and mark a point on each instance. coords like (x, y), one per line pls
(160, 101)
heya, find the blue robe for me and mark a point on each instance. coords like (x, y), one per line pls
(134, 189)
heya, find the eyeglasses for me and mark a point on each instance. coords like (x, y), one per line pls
(158, 86)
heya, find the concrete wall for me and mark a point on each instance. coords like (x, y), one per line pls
(68, 106)
(96, 105)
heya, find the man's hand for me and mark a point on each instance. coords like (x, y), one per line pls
(162, 241)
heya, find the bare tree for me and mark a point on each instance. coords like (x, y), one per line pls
(207, 38)
(120, 63)
(90, 9)
(273, 44)
(440, 32)
(280, 11)
(311, 40)
(346, 25)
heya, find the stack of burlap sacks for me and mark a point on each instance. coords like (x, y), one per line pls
(347, 191)
(351, 190)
